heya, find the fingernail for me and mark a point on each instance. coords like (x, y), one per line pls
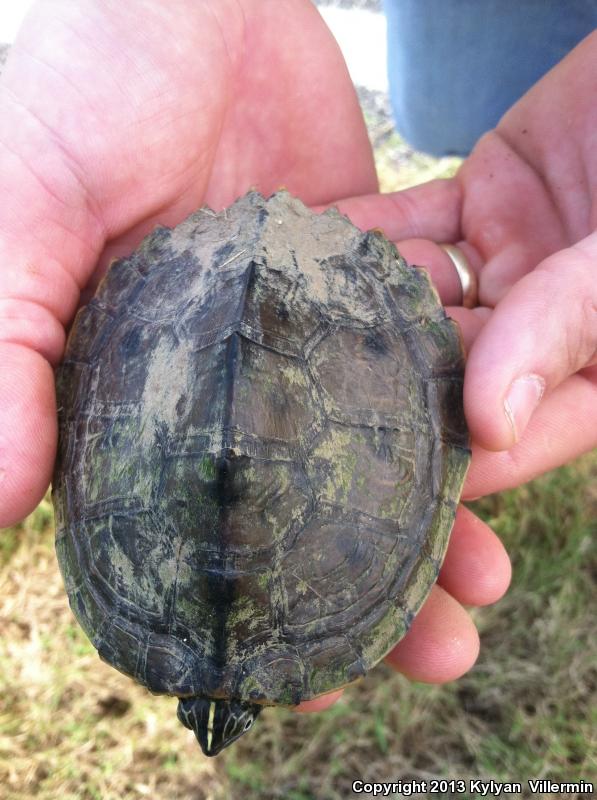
(522, 399)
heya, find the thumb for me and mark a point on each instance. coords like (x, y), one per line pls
(28, 430)
(543, 331)
(47, 250)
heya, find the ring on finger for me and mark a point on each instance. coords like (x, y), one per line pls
(466, 275)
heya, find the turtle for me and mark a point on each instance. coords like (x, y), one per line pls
(261, 449)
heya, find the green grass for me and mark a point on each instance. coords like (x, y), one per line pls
(71, 727)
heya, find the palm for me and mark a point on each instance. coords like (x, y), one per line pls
(509, 215)
(231, 103)
(109, 126)
(528, 186)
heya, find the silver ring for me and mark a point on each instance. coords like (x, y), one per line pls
(466, 275)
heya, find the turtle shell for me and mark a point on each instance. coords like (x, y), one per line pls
(262, 445)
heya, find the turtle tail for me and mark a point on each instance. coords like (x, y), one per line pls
(216, 723)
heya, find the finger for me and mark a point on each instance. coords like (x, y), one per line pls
(429, 211)
(476, 570)
(320, 703)
(562, 428)
(470, 321)
(439, 265)
(543, 330)
(442, 643)
(28, 430)
(41, 264)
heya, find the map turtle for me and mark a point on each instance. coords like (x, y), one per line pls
(262, 445)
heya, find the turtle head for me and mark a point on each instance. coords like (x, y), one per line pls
(216, 723)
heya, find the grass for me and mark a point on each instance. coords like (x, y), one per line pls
(71, 727)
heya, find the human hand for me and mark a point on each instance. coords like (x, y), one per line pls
(118, 116)
(521, 208)
(104, 135)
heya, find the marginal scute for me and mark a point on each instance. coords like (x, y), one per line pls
(262, 444)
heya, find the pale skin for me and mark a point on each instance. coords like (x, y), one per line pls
(116, 116)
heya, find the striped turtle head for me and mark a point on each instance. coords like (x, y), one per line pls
(216, 723)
